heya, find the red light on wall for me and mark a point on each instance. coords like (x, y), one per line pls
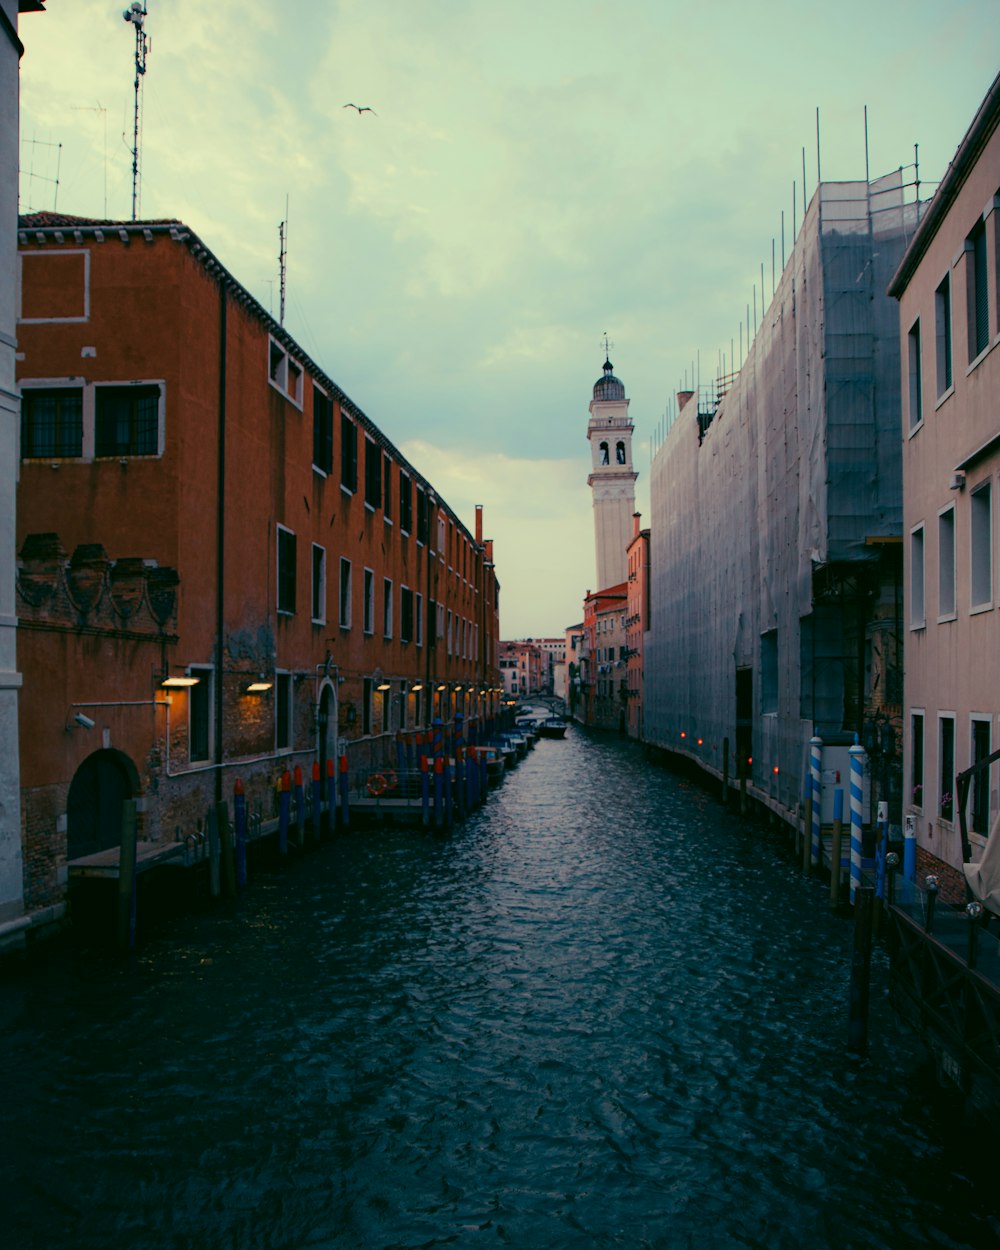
(683, 734)
(776, 770)
(701, 741)
(749, 759)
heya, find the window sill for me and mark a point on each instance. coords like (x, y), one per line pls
(346, 490)
(324, 473)
(916, 626)
(285, 611)
(319, 620)
(974, 364)
(369, 507)
(943, 398)
(388, 520)
(948, 616)
(915, 429)
(979, 608)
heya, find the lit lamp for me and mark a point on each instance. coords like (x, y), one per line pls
(258, 687)
(416, 686)
(385, 685)
(176, 683)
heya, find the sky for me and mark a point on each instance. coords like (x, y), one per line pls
(535, 174)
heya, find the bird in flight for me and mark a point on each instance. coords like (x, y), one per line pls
(361, 108)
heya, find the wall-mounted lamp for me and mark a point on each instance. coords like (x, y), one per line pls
(443, 686)
(416, 686)
(173, 683)
(958, 480)
(80, 721)
(385, 685)
(257, 687)
(459, 689)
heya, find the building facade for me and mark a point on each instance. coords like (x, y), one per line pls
(636, 625)
(603, 681)
(227, 569)
(949, 320)
(775, 544)
(612, 479)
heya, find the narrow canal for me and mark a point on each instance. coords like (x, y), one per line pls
(600, 1013)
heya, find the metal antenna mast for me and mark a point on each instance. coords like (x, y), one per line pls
(282, 262)
(136, 14)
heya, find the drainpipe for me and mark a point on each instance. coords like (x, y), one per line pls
(220, 543)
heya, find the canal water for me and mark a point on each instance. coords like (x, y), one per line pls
(599, 1013)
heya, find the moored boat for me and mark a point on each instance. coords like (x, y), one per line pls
(552, 727)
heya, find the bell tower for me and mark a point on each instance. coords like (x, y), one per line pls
(612, 478)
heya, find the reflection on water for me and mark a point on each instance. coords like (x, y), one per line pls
(600, 1013)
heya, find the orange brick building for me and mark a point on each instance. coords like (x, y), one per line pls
(636, 624)
(200, 501)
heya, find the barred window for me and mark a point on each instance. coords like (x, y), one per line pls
(126, 420)
(52, 422)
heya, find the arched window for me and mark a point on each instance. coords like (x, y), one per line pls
(604, 453)
(620, 452)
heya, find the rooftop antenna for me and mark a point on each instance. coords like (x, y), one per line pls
(42, 177)
(607, 346)
(282, 256)
(136, 14)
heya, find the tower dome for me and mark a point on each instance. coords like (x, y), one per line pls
(608, 386)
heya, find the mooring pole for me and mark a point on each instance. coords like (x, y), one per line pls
(725, 772)
(857, 1026)
(226, 849)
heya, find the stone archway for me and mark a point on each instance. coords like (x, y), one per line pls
(94, 806)
(326, 725)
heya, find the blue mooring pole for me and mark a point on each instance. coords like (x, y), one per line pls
(240, 825)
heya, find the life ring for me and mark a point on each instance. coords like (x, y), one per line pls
(390, 779)
(377, 785)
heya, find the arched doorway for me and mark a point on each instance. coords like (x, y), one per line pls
(326, 725)
(94, 807)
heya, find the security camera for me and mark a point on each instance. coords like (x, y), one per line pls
(84, 721)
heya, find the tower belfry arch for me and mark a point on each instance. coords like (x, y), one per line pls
(612, 478)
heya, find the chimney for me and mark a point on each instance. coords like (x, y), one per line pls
(489, 551)
(479, 524)
(636, 517)
(682, 399)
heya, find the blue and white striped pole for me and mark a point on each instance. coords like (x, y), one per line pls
(858, 760)
(910, 848)
(815, 781)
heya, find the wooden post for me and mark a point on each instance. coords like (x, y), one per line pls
(725, 772)
(126, 877)
(857, 1027)
(227, 849)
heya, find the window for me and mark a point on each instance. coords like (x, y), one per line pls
(200, 716)
(979, 795)
(917, 758)
(52, 422)
(386, 488)
(322, 431)
(769, 672)
(368, 623)
(440, 548)
(405, 614)
(418, 613)
(348, 453)
(282, 711)
(915, 385)
(318, 584)
(373, 474)
(284, 373)
(423, 517)
(127, 420)
(977, 287)
(405, 503)
(946, 563)
(448, 635)
(432, 616)
(981, 547)
(386, 607)
(345, 593)
(286, 570)
(620, 452)
(946, 756)
(942, 307)
(604, 453)
(917, 618)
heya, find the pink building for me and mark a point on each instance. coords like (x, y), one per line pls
(947, 287)
(636, 624)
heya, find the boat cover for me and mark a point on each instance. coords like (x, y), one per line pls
(984, 877)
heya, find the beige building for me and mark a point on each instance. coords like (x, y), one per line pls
(612, 478)
(947, 287)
